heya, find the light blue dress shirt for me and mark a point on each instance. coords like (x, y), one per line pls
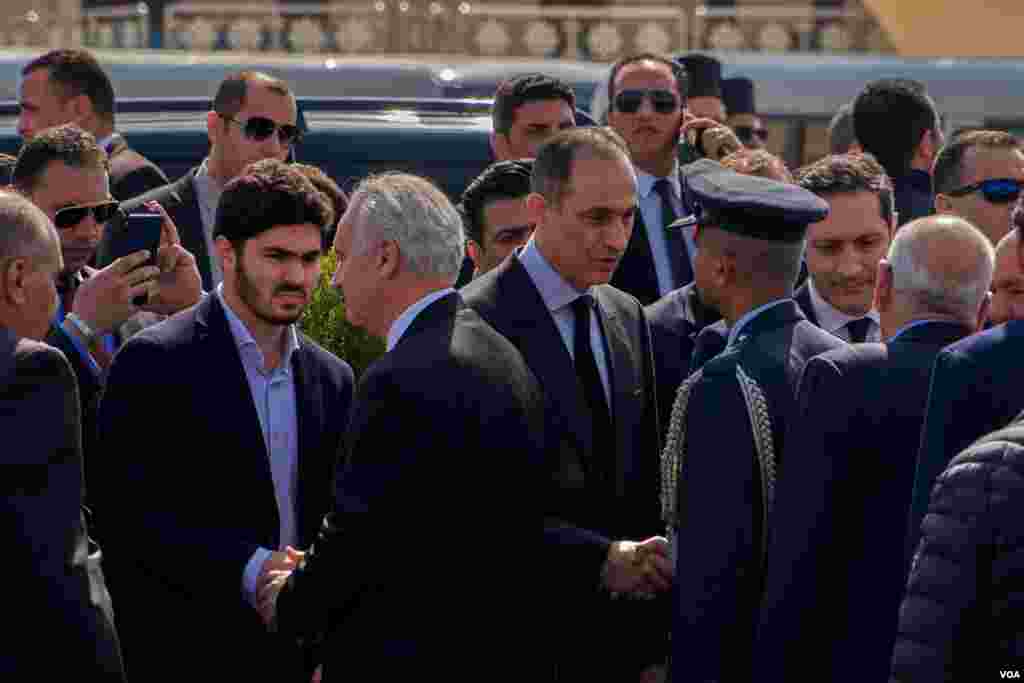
(403, 321)
(273, 394)
(651, 210)
(558, 296)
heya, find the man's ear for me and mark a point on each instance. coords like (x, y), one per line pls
(473, 250)
(226, 253)
(536, 207)
(13, 282)
(943, 204)
(983, 312)
(388, 259)
(500, 146)
(213, 126)
(883, 287)
(80, 107)
(929, 146)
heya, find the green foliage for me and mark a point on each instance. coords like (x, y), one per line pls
(324, 321)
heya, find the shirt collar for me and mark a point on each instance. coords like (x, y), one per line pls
(402, 322)
(556, 292)
(247, 344)
(830, 318)
(645, 183)
(735, 330)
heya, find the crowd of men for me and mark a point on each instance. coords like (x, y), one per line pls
(653, 406)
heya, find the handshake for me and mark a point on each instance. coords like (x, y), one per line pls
(275, 572)
(638, 570)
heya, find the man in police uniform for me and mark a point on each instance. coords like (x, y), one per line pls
(724, 441)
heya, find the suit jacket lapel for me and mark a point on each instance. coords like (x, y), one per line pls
(226, 385)
(314, 470)
(444, 308)
(803, 300)
(531, 328)
(636, 273)
(189, 220)
(627, 397)
(8, 342)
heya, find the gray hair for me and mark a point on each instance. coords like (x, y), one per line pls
(414, 213)
(952, 281)
(25, 231)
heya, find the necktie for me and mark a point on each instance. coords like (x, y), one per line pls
(858, 330)
(678, 256)
(590, 380)
(67, 284)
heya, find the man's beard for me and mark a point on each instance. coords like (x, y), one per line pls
(250, 296)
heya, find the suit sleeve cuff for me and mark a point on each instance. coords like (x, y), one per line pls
(252, 574)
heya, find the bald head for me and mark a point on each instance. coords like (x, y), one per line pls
(1007, 281)
(25, 231)
(941, 267)
(30, 259)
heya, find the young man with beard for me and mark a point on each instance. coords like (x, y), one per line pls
(192, 535)
(843, 250)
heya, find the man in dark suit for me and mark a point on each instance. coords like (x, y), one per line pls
(268, 408)
(726, 435)
(845, 489)
(843, 250)
(63, 172)
(253, 118)
(69, 86)
(647, 100)
(589, 346)
(974, 391)
(51, 566)
(449, 391)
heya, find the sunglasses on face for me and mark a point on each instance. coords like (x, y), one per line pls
(746, 134)
(70, 216)
(662, 101)
(994, 190)
(259, 128)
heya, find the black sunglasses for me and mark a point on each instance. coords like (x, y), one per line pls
(746, 134)
(70, 216)
(662, 101)
(259, 128)
(994, 190)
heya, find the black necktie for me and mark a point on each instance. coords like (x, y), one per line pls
(590, 377)
(678, 255)
(67, 285)
(858, 330)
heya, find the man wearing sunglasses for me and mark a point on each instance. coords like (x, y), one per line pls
(738, 95)
(647, 94)
(978, 176)
(253, 118)
(64, 172)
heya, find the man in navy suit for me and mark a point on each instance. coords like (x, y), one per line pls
(429, 565)
(220, 427)
(253, 118)
(53, 570)
(588, 344)
(725, 439)
(845, 488)
(843, 250)
(974, 391)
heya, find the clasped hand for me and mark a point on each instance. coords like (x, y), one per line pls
(275, 572)
(639, 569)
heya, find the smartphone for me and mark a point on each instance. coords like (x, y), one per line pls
(136, 232)
(691, 148)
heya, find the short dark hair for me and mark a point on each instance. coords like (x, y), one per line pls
(947, 171)
(552, 169)
(890, 116)
(68, 144)
(675, 67)
(501, 180)
(515, 92)
(268, 194)
(7, 163)
(74, 73)
(325, 185)
(840, 130)
(232, 91)
(840, 173)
